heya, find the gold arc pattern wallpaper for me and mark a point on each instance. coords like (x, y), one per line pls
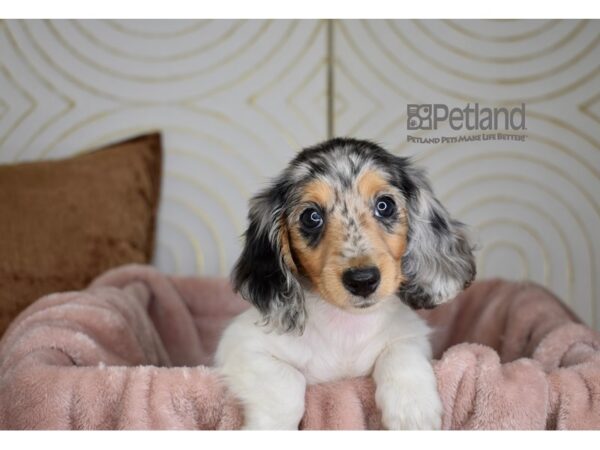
(235, 99)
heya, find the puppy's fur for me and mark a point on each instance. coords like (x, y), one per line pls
(314, 319)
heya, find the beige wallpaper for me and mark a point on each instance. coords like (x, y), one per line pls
(236, 99)
(534, 206)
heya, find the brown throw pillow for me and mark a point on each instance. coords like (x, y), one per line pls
(63, 222)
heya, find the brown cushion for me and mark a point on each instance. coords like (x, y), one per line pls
(63, 222)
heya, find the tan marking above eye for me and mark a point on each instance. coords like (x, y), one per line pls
(318, 192)
(370, 183)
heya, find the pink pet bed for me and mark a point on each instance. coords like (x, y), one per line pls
(134, 351)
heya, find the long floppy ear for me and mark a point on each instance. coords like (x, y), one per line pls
(263, 273)
(438, 262)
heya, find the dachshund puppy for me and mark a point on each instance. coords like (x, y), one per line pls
(339, 250)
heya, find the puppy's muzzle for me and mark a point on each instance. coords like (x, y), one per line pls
(361, 281)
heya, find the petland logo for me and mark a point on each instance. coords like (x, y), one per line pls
(470, 118)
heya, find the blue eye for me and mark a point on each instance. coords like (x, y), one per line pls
(311, 219)
(385, 207)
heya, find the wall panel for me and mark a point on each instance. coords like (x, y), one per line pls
(234, 99)
(534, 205)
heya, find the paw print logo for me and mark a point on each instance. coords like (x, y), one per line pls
(418, 117)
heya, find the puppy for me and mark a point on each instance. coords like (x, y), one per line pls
(339, 250)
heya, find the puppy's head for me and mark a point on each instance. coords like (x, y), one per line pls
(355, 224)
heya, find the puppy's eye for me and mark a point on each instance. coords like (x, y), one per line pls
(384, 206)
(311, 219)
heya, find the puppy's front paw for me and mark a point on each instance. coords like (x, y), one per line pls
(267, 416)
(409, 408)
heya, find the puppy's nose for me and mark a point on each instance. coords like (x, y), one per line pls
(361, 281)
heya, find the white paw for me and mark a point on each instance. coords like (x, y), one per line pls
(409, 408)
(273, 419)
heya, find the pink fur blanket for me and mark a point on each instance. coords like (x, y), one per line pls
(134, 351)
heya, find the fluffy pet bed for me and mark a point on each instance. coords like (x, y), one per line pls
(134, 351)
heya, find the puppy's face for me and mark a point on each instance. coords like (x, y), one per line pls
(347, 237)
(355, 224)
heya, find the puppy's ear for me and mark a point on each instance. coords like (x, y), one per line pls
(438, 262)
(263, 274)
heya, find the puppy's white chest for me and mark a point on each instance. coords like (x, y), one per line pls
(340, 347)
(338, 361)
